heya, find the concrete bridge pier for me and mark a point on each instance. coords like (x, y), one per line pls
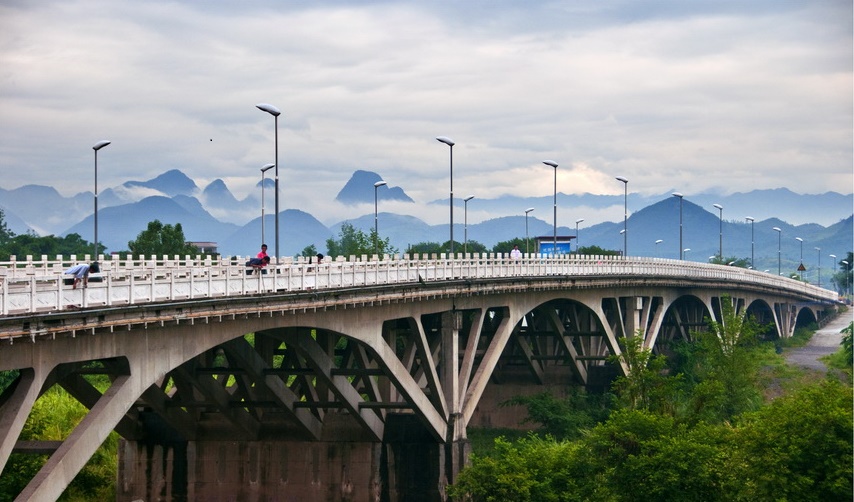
(408, 465)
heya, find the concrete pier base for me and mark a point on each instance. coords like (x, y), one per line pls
(409, 465)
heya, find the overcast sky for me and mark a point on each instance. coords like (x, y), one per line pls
(694, 96)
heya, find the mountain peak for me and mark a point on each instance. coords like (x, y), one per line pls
(172, 183)
(360, 189)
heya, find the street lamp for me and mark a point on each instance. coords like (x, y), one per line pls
(834, 259)
(272, 110)
(721, 244)
(466, 223)
(779, 233)
(98, 146)
(750, 219)
(554, 226)
(845, 289)
(450, 143)
(657, 242)
(625, 213)
(579, 220)
(678, 194)
(819, 266)
(376, 218)
(526, 228)
(685, 251)
(264, 169)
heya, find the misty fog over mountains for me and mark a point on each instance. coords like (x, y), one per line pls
(214, 214)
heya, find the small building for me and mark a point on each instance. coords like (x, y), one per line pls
(205, 247)
(546, 244)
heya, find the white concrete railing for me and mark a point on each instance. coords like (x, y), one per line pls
(30, 286)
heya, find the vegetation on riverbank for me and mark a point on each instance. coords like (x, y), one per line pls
(721, 419)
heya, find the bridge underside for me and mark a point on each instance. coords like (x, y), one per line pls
(316, 403)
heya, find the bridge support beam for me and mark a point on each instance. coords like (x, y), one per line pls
(409, 464)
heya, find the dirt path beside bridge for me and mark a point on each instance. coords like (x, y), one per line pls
(825, 341)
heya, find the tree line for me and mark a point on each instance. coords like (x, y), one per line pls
(695, 424)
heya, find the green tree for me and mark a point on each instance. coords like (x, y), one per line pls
(842, 279)
(596, 251)
(350, 242)
(798, 447)
(642, 456)
(50, 245)
(474, 247)
(309, 251)
(532, 469)
(5, 233)
(422, 248)
(645, 386)
(159, 240)
(725, 366)
(564, 418)
(507, 246)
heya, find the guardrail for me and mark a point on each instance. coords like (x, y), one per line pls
(30, 286)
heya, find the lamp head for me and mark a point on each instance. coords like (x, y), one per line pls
(799, 239)
(272, 110)
(470, 197)
(267, 167)
(100, 144)
(718, 206)
(677, 194)
(550, 163)
(529, 210)
(776, 229)
(659, 241)
(749, 218)
(379, 183)
(446, 140)
(623, 179)
(579, 220)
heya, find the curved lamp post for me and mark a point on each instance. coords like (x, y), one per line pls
(720, 208)
(466, 223)
(98, 146)
(678, 194)
(657, 242)
(750, 219)
(625, 231)
(272, 110)
(376, 219)
(685, 251)
(779, 258)
(526, 229)
(450, 143)
(577, 245)
(554, 225)
(264, 170)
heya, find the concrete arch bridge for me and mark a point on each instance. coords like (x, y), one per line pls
(349, 380)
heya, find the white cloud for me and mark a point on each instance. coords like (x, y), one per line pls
(671, 95)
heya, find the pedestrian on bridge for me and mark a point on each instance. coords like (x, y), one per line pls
(257, 264)
(81, 273)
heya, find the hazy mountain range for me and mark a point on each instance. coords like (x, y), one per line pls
(214, 214)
